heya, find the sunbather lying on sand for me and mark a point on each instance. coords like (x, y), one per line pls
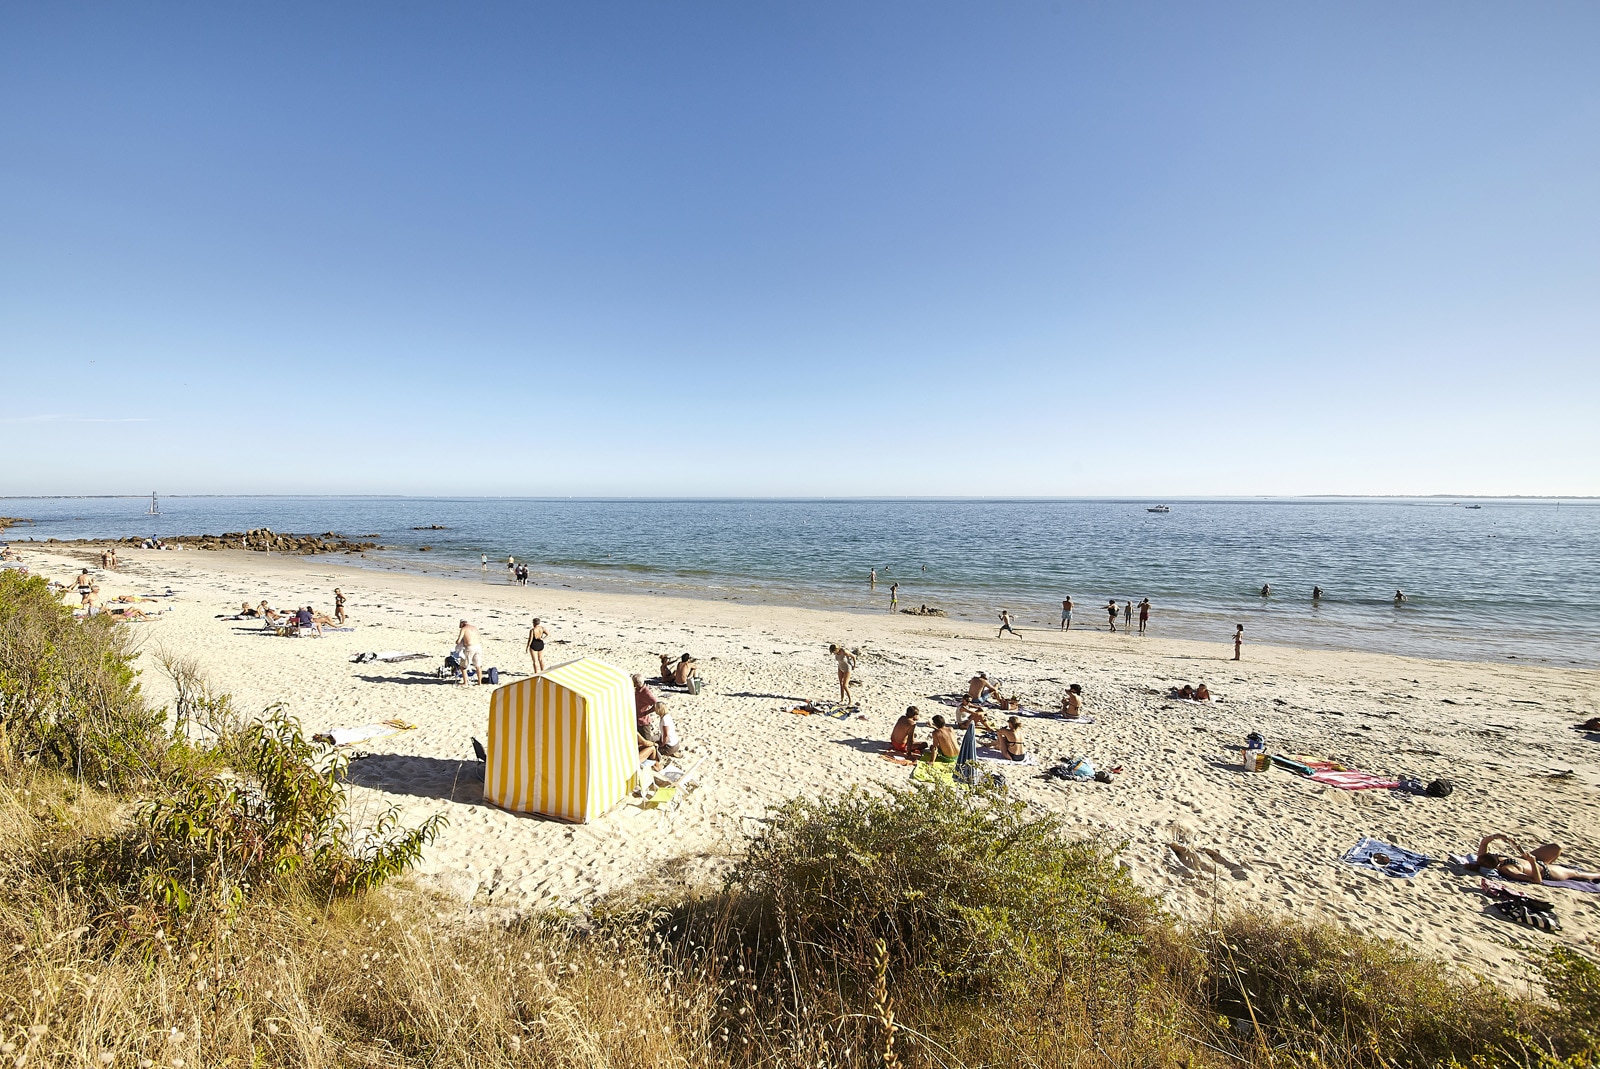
(1528, 866)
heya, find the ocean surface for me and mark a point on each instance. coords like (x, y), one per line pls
(1510, 579)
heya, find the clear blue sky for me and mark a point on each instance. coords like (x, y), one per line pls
(736, 248)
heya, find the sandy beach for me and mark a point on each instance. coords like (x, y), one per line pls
(1501, 732)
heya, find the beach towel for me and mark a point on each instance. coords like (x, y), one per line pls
(1386, 858)
(934, 772)
(388, 657)
(1470, 863)
(897, 758)
(364, 733)
(829, 709)
(989, 753)
(1354, 781)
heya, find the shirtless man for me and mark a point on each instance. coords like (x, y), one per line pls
(1528, 866)
(1005, 625)
(978, 686)
(894, 596)
(683, 670)
(1009, 740)
(1066, 614)
(903, 739)
(943, 746)
(84, 585)
(1144, 615)
(91, 601)
(471, 655)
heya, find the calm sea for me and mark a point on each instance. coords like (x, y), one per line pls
(1517, 578)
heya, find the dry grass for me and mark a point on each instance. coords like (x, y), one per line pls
(393, 978)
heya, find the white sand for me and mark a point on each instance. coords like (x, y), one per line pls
(1492, 728)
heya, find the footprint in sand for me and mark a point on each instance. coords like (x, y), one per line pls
(1190, 859)
(1235, 869)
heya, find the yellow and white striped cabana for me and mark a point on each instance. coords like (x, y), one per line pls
(563, 744)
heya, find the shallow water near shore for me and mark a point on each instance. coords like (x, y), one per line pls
(1512, 579)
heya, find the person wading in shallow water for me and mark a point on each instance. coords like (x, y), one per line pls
(1111, 610)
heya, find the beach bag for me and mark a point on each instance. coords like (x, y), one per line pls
(450, 661)
(650, 727)
(1439, 788)
(494, 676)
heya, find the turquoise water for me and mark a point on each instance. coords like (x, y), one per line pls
(1516, 578)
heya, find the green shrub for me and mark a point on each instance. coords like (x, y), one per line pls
(68, 696)
(281, 815)
(968, 889)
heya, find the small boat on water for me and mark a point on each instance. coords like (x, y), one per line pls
(1159, 508)
(154, 509)
(1472, 506)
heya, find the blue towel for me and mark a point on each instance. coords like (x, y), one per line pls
(1386, 858)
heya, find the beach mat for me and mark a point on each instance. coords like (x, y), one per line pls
(833, 710)
(1386, 858)
(1470, 863)
(989, 753)
(1353, 780)
(897, 758)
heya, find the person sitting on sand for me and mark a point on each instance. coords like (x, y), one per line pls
(91, 602)
(1201, 694)
(1009, 740)
(647, 752)
(978, 686)
(1072, 703)
(972, 714)
(903, 739)
(306, 618)
(1184, 693)
(670, 743)
(943, 746)
(684, 670)
(1528, 866)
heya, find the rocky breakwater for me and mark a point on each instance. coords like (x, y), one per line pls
(266, 540)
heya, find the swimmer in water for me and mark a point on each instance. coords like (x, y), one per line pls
(1399, 598)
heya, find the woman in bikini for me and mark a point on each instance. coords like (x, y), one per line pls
(846, 664)
(1009, 740)
(536, 636)
(1528, 866)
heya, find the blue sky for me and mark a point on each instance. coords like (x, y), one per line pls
(1027, 248)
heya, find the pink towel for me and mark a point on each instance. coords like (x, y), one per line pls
(1354, 781)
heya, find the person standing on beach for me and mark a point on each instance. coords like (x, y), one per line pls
(1066, 614)
(1111, 610)
(1144, 615)
(894, 596)
(1127, 615)
(872, 579)
(471, 655)
(1238, 641)
(338, 605)
(1005, 624)
(536, 636)
(485, 558)
(847, 663)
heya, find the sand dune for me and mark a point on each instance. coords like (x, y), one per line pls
(1199, 832)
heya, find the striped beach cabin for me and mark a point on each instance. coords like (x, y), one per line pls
(563, 744)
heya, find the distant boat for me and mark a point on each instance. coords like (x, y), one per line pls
(154, 509)
(1472, 506)
(1160, 508)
